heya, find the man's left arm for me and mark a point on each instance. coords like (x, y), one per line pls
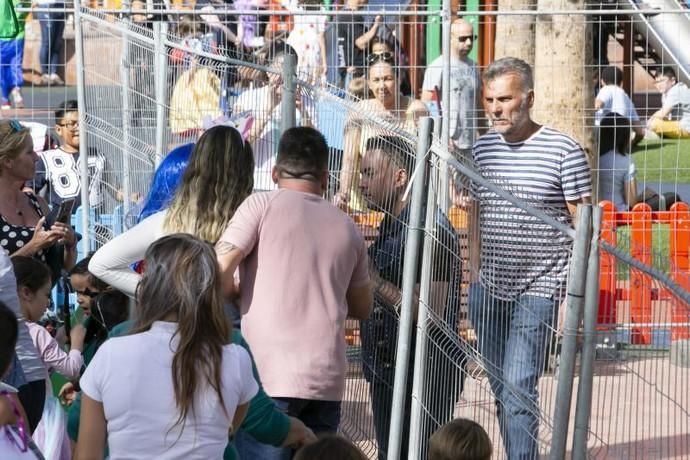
(576, 180)
(238, 240)
(572, 205)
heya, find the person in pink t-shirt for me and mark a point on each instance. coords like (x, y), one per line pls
(303, 270)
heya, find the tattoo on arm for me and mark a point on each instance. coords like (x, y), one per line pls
(223, 248)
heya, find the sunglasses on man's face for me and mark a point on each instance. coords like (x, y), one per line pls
(386, 56)
(464, 38)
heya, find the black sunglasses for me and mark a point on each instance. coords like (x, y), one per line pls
(386, 56)
(464, 38)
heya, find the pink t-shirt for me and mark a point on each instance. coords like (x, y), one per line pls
(302, 255)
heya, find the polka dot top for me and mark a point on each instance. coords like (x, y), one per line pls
(14, 237)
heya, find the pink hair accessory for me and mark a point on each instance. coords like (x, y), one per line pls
(242, 122)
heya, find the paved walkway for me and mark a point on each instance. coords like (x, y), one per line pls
(640, 409)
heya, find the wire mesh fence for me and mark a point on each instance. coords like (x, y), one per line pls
(150, 88)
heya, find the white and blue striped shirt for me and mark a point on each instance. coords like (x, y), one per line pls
(520, 254)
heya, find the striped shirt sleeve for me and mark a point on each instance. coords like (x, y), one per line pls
(576, 178)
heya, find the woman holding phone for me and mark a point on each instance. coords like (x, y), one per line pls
(23, 227)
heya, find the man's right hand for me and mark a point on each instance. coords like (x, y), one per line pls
(342, 200)
(298, 435)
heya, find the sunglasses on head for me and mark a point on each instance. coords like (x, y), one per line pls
(16, 126)
(386, 56)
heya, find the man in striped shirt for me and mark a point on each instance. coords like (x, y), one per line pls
(523, 260)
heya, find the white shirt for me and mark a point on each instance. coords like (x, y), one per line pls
(265, 146)
(112, 262)
(132, 377)
(678, 99)
(259, 101)
(615, 100)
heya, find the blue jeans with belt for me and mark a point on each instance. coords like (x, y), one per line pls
(514, 337)
(52, 28)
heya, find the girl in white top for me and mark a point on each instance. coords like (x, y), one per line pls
(33, 290)
(175, 386)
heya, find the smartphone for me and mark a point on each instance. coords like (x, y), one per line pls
(62, 213)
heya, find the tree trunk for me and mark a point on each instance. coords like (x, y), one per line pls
(515, 34)
(563, 83)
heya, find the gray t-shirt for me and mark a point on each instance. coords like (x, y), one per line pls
(678, 98)
(464, 83)
(614, 171)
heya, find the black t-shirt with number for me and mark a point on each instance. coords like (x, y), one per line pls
(58, 178)
(349, 27)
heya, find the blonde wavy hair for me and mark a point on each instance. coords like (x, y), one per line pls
(12, 137)
(220, 175)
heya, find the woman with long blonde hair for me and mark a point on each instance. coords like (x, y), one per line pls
(175, 386)
(218, 178)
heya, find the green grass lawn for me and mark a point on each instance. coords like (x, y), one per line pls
(663, 161)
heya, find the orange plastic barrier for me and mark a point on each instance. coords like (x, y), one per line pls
(640, 291)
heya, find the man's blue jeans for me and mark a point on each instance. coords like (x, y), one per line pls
(320, 416)
(52, 28)
(514, 337)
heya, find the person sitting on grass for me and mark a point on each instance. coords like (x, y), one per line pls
(617, 172)
(672, 120)
(613, 99)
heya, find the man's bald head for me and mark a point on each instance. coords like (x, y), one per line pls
(461, 38)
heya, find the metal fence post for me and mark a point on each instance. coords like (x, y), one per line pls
(414, 237)
(287, 101)
(420, 361)
(443, 198)
(160, 75)
(126, 110)
(83, 144)
(583, 408)
(574, 307)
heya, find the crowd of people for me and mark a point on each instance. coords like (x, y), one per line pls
(243, 274)
(174, 378)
